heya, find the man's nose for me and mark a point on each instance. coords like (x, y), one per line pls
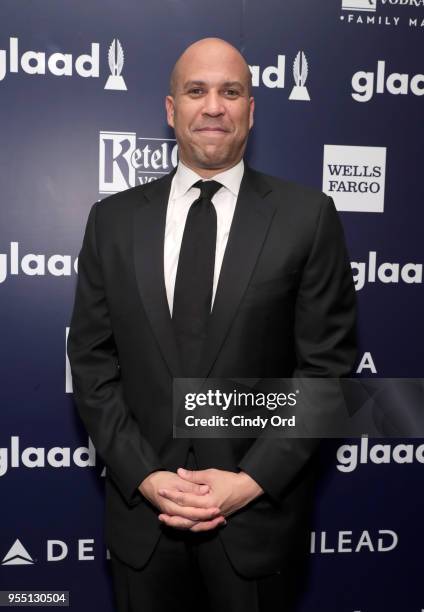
(213, 104)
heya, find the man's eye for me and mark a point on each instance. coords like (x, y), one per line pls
(231, 93)
(195, 91)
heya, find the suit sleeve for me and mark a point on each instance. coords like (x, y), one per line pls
(97, 385)
(325, 341)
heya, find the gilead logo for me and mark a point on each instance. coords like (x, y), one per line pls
(34, 264)
(40, 457)
(350, 542)
(58, 64)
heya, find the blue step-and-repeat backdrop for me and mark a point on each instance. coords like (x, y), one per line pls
(339, 90)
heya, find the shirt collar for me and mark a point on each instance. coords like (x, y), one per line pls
(185, 177)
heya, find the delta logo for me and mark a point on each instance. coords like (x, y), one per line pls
(17, 555)
(56, 551)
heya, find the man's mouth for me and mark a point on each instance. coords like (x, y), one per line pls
(211, 129)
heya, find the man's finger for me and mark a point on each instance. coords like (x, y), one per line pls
(192, 487)
(187, 499)
(178, 522)
(196, 476)
(190, 512)
(208, 525)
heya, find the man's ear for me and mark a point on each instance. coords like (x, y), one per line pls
(251, 111)
(169, 104)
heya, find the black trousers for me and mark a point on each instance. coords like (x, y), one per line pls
(191, 571)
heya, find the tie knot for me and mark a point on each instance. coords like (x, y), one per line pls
(208, 188)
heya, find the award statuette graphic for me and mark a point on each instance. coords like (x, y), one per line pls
(300, 74)
(116, 62)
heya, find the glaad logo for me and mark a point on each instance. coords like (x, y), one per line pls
(17, 555)
(365, 84)
(300, 74)
(384, 10)
(35, 264)
(116, 62)
(86, 65)
(275, 76)
(349, 456)
(409, 273)
(355, 177)
(37, 457)
(348, 542)
(125, 160)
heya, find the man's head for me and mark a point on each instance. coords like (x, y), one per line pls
(210, 105)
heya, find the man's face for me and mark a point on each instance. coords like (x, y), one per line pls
(211, 110)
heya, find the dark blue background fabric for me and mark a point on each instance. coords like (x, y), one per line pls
(66, 141)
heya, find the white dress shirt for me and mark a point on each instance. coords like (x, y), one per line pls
(181, 197)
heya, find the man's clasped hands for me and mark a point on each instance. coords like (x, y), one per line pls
(198, 500)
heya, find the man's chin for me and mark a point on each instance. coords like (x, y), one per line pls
(212, 157)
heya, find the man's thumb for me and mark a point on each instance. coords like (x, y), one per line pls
(192, 475)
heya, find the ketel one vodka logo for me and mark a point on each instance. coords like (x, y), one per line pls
(384, 13)
(126, 160)
(359, 5)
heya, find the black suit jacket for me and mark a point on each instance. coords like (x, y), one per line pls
(284, 306)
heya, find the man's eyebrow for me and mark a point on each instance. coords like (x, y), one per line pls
(234, 84)
(237, 84)
(188, 84)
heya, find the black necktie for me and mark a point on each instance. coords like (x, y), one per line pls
(194, 279)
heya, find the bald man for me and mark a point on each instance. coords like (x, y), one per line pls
(218, 271)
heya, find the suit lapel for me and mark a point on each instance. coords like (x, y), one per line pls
(149, 234)
(252, 217)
